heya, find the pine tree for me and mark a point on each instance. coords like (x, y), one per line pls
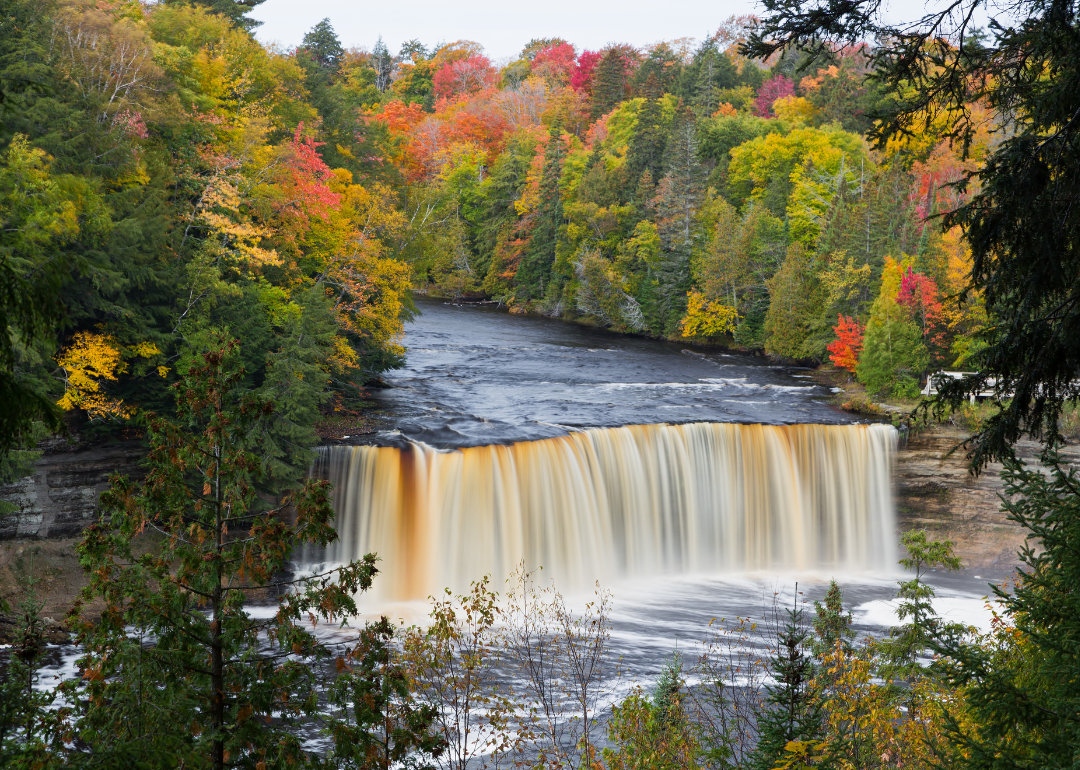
(913, 638)
(234, 10)
(832, 626)
(646, 149)
(609, 81)
(795, 300)
(1022, 682)
(893, 356)
(322, 47)
(789, 712)
(534, 274)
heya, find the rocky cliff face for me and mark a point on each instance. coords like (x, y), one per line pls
(61, 496)
(935, 492)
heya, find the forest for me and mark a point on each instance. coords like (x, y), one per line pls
(211, 245)
(192, 180)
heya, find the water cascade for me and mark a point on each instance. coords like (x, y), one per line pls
(611, 502)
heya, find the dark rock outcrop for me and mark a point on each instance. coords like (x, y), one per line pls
(61, 497)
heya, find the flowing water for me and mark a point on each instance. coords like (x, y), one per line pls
(611, 503)
(694, 484)
(477, 376)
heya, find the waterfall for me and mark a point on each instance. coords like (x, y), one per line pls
(606, 503)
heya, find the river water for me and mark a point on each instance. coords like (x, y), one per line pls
(479, 375)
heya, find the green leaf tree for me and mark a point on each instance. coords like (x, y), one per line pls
(1022, 681)
(893, 355)
(789, 712)
(920, 623)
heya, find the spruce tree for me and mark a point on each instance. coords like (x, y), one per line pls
(920, 623)
(235, 11)
(789, 712)
(832, 626)
(534, 274)
(893, 356)
(609, 82)
(649, 140)
(1022, 682)
(322, 47)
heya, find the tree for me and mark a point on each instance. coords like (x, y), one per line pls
(845, 349)
(789, 712)
(27, 719)
(775, 88)
(653, 733)
(609, 79)
(911, 639)
(322, 46)
(795, 298)
(176, 669)
(893, 356)
(832, 626)
(1021, 680)
(1020, 81)
(234, 10)
(535, 271)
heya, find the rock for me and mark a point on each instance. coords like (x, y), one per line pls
(60, 498)
(936, 492)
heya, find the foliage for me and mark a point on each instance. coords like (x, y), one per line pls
(788, 712)
(174, 637)
(707, 319)
(653, 732)
(845, 349)
(912, 638)
(893, 357)
(1017, 85)
(1020, 679)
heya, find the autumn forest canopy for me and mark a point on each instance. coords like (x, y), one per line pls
(176, 179)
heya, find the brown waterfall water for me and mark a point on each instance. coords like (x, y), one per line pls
(608, 503)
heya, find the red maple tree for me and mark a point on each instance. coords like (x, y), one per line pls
(844, 350)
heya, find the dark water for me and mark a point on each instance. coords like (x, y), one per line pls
(478, 375)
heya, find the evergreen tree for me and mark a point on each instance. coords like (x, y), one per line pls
(234, 10)
(178, 672)
(893, 356)
(921, 624)
(610, 82)
(795, 300)
(27, 723)
(789, 712)
(646, 149)
(1022, 681)
(534, 273)
(322, 47)
(710, 72)
(832, 626)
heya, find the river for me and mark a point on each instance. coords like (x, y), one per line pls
(479, 375)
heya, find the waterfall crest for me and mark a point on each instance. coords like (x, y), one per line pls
(612, 502)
